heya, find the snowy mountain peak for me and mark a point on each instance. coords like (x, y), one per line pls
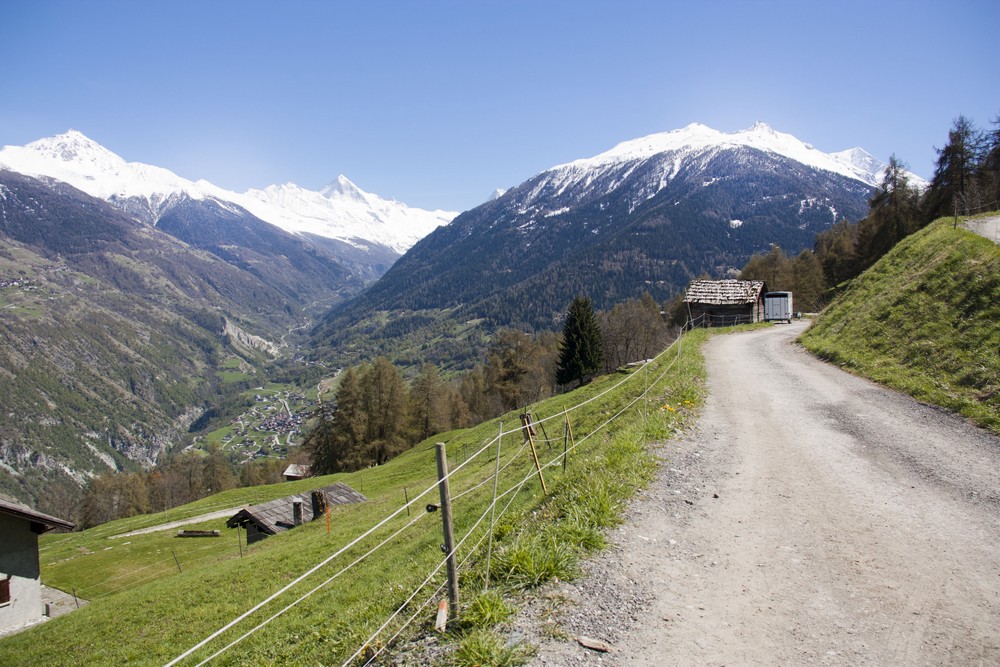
(74, 158)
(341, 210)
(697, 138)
(343, 188)
(760, 127)
(74, 146)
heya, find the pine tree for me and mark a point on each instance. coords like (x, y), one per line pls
(580, 354)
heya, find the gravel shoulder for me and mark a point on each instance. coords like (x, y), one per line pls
(811, 517)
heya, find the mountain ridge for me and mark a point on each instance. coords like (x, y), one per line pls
(113, 334)
(340, 211)
(647, 215)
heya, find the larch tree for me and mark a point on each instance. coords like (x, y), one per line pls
(385, 400)
(430, 406)
(337, 436)
(953, 186)
(893, 214)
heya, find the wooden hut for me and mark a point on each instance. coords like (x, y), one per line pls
(279, 515)
(720, 303)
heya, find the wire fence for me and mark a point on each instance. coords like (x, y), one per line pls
(716, 320)
(509, 473)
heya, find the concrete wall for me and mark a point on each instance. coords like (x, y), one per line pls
(19, 563)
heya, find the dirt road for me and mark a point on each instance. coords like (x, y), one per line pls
(988, 227)
(219, 514)
(811, 518)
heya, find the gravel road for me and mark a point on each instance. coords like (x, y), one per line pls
(988, 227)
(182, 522)
(811, 517)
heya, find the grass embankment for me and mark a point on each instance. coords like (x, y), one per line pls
(144, 611)
(924, 320)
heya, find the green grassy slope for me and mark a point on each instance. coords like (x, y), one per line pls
(924, 320)
(144, 611)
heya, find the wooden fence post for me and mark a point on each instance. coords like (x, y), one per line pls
(493, 507)
(565, 442)
(449, 529)
(567, 437)
(528, 434)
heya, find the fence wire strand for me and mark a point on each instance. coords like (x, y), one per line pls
(511, 491)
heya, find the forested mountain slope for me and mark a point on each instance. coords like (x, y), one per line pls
(646, 217)
(113, 333)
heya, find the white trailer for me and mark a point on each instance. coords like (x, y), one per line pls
(778, 307)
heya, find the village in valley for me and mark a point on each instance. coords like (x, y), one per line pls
(267, 429)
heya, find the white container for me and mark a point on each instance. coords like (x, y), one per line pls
(778, 307)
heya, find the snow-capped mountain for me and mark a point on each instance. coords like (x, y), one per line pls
(647, 215)
(697, 142)
(340, 211)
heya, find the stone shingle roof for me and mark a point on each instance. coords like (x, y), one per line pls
(275, 516)
(724, 292)
(300, 470)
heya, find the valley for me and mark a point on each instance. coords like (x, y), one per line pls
(146, 316)
(270, 428)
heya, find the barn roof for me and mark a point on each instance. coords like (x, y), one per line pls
(40, 523)
(724, 292)
(275, 516)
(300, 470)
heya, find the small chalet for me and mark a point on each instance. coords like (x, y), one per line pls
(20, 574)
(297, 471)
(279, 515)
(720, 303)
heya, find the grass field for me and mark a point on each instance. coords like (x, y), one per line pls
(924, 320)
(156, 596)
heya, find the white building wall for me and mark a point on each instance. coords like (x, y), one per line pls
(19, 564)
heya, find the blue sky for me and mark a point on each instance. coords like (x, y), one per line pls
(436, 104)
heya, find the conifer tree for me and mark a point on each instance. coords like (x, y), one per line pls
(892, 214)
(429, 404)
(335, 441)
(953, 187)
(385, 399)
(580, 354)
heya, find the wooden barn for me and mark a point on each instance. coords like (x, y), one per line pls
(279, 515)
(723, 303)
